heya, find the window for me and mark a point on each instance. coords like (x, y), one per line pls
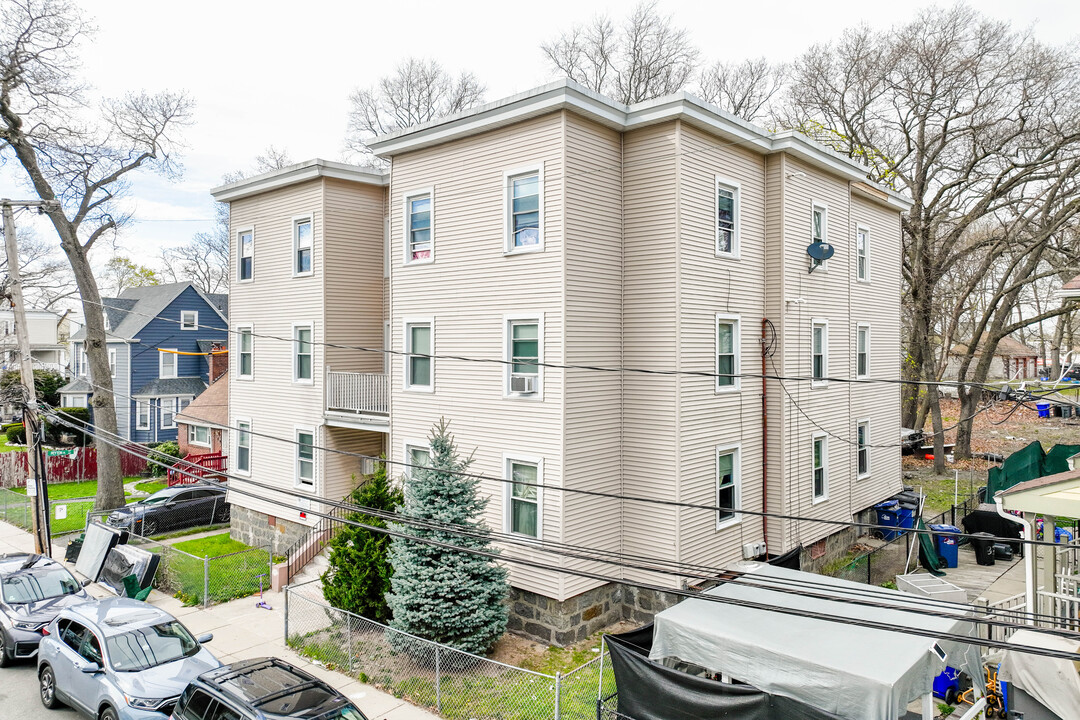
(199, 435)
(727, 353)
(246, 268)
(75, 401)
(819, 228)
(189, 319)
(167, 362)
(523, 191)
(81, 368)
(862, 351)
(196, 707)
(302, 238)
(862, 452)
(168, 412)
(418, 369)
(728, 490)
(727, 218)
(418, 244)
(819, 353)
(416, 456)
(142, 414)
(305, 457)
(302, 365)
(112, 362)
(243, 446)
(524, 511)
(524, 337)
(862, 254)
(247, 353)
(821, 468)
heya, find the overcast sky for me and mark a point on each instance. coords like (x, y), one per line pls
(276, 73)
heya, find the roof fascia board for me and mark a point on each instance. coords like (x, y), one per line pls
(294, 174)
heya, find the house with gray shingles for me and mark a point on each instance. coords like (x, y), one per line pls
(159, 338)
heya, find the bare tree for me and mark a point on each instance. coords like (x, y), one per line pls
(46, 278)
(417, 91)
(643, 58)
(79, 154)
(746, 89)
(971, 119)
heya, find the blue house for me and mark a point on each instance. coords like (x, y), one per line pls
(148, 331)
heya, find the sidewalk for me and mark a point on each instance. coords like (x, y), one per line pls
(242, 631)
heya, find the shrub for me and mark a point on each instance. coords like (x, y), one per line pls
(7, 427)
(166, 452)
(47, 384)
(16, 433)
(75, 416)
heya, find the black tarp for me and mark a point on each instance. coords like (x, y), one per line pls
(648, 690)
(792, 559)
(124, 560)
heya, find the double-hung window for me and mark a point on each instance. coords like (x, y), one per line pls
(142, 414)
(820, 468)
(245, 270)
(81, 368)
(862, 254)
(524, 337)
(862, 450)
(302, 357)
(199, 435)
(523, 200)
(727, 218)
(168, 412)
(728, 489)
(247, 353)
(819, 353)
(112, 362)
(418, 228)
(727, 352)
(167, 363)
(305, 458)
(418, 366)
(302, 242)
(243, 446)
(862, 351)
(819, 228)
(524, 516)
(189, 319)
(417, 456)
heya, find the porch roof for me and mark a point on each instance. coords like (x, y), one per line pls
(1057, 495)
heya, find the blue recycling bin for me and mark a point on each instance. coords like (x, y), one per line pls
(888, 513)
(947, 684)
(906, 516)
(1043, 408)
(947, 543)
(1060, 532)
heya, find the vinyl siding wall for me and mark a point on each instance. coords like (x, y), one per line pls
(776, 272)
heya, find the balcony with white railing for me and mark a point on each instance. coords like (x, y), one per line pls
(360, 400)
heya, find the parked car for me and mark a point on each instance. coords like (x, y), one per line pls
(33, 589)
(119, 659)
(262, 689)
(174, 508)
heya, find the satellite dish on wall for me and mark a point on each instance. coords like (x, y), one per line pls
(819, 252)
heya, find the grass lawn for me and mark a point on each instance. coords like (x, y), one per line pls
(69, 490)
(4, 447)
(149, 486)
(211, 545)
(234, 576)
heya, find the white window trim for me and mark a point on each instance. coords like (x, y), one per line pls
(239, 232)
(406, 197)
(736, 466)
(869, 453)
(194, 325)
(824, 467)
(858, 328)
(251, 445)
(239, 351)
(508, 494)
(175, 400)
(297, 429)
(508, 214)
(737, 385)
(727, 184)
(863, 229)
(296, 220)
(138, 416)
(295, 354)
(815, 205)
(406, 344)
(170, 352)
(191, 431)
(69, 400)
(824, 355)
(112, 362)
(406, 456)
(508, 346)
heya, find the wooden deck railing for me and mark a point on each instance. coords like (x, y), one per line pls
(193, 468)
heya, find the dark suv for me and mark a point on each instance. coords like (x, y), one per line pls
(174, 508)
(262, 689)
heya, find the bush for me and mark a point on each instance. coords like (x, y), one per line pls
(75, 416)
(8, 427)
(166, 452)
(16, 433)
(47, 384)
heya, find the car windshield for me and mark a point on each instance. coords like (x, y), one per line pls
(345, 712)
(151, 646)
(39, 584)
(157, 499)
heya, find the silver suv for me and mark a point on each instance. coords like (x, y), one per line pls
(119, 659)
(33, 589)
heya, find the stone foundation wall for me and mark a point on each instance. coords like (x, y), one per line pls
(565, 623)
(836, 545)
(259, 530)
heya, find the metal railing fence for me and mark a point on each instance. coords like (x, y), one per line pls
(358, 392)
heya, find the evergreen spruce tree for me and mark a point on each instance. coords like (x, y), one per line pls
(449, 596)
(358, 578)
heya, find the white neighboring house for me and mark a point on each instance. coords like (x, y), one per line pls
(49, 334)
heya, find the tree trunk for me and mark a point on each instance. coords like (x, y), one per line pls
(969, 400)
(1055, 350)
(939, 434)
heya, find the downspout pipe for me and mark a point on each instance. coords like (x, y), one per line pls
(1029, 559)
(764, 444)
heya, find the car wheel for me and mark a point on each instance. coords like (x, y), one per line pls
(47, 686)
(107, 714)
(149, 527)
(950, 696)
(4, 659)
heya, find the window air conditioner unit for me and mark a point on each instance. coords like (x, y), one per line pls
(523, 383)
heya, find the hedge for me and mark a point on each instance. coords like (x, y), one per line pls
(16, 433)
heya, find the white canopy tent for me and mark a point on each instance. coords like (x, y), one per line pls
(852, 671)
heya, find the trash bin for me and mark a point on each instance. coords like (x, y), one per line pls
(947, 684)
(946, 543)
(888, 513)
(983, 544)
(909, 502)
(1044, 409)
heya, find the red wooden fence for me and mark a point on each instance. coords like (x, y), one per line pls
(196, 467)
(14, 467)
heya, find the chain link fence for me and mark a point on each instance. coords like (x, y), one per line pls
(16, 509)
(456, 684)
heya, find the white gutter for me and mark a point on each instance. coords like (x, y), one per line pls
(1029, 559)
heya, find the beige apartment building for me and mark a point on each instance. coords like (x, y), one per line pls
(550, 231)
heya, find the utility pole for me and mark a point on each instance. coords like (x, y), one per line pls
(31, 420)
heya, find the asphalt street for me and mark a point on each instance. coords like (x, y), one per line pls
(19, 696)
